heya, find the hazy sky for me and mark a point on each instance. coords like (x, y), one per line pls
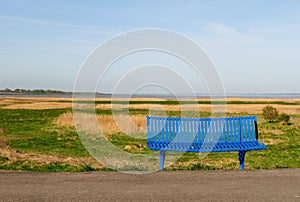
(255, 44)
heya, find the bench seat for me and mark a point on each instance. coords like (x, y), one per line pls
(203, 135)
(218, 147)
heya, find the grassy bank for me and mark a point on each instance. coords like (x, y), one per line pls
(46, 140)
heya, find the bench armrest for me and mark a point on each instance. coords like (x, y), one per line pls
(256, 130)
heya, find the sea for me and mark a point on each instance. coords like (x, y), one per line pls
(100, 95)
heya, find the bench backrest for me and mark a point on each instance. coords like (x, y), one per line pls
(201, 130)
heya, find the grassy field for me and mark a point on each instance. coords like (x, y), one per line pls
(39, 134)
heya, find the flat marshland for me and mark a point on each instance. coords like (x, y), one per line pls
(38, 134)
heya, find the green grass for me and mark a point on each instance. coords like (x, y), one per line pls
(283, 151)
(27, 165)
(176, 102)
(33, 131)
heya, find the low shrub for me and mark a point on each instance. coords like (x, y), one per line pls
(284, 119)
(270, 113)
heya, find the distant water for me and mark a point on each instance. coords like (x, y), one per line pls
(267, 95)
(36, 95)
(257, 95)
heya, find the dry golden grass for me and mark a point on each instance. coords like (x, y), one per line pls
(295, 121)
(8, 101)
(210, 162)
(257, 108)
(65, 119)
(121, 123)
(45, 99)
(154, 107)
(13, 155)
(276, 132)
(232, 108)
(107, 123)
(270, 141)
(33, 103)
(135, 147)
(49, 103)
(39, 105)
(132, 99)
(257, 99)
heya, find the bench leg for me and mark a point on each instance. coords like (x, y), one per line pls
(242, 159)
(162, 159)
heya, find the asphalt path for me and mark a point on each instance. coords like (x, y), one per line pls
(253, 185)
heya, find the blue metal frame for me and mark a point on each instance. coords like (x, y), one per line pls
(203, 135)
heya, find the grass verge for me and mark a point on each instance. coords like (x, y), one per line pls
(34, 140)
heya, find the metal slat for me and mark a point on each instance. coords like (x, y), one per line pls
(181, 131)
(217, 123)
(196, 137)
(199, 131)
(172, 129)
(193, 132)
(203, 129)
(239, 130)
(235, 136)
(207, 125)
(167, 128)
(155, 128)
(188, 130)
(253, 127)
(160, 129)
(177, 130)
(148, 128)
(249, 132)
(212, 130)
(162, 120)
(228, 131)
(222, 129)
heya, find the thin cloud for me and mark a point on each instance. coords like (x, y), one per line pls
(42, 22)
(226, 31)
(285, 30)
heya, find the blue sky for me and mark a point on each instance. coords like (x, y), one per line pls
(255, 44)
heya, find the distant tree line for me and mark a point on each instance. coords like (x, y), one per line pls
(35, 91)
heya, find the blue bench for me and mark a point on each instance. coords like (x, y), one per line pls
(203, 135)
